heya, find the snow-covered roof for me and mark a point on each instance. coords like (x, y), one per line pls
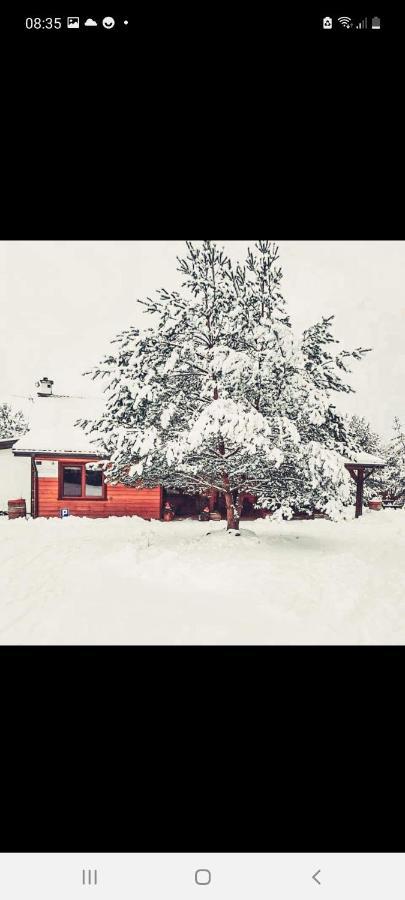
(364, 459)
(52, 425)
(6, 443)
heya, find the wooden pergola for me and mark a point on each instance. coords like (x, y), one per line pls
(360, 470)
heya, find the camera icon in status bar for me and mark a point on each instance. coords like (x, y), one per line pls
(373, 23)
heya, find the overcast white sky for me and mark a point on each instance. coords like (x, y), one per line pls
(62, 302)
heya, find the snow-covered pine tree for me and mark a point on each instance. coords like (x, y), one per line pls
(314, 477)
(362, 438)
(12, 422)
(394, 473)
(217, 394)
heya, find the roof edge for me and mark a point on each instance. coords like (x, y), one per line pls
(58, 455)
(6, 443)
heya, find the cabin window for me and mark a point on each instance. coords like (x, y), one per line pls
(94, 483)
(82, 482)
(72, 481)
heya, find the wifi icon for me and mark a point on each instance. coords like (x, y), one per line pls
(346, 22)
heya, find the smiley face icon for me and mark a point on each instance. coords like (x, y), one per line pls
(108, 22)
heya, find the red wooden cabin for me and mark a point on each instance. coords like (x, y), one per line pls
(66, 472)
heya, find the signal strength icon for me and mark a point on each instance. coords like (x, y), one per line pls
(346, 22)
(362, 24)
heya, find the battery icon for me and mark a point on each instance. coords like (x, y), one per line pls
(375, 22)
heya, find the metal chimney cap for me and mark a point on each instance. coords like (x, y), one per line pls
(45, 387)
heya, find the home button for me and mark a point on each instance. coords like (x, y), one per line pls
(202, 876)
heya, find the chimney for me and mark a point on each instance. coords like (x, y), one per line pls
(44, 386)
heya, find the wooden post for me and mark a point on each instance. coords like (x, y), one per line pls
(359, 491)
(212, 499)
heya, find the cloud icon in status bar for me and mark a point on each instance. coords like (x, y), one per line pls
(90, 22)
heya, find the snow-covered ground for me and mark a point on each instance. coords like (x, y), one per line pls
(127, 581)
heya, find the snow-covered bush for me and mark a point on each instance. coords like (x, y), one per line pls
(12, 422)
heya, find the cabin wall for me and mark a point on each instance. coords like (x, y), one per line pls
(15, 479)
(121, 500)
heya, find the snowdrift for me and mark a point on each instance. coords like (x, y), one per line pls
(128, 581)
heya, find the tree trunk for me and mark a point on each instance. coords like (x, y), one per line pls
(232, 513)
